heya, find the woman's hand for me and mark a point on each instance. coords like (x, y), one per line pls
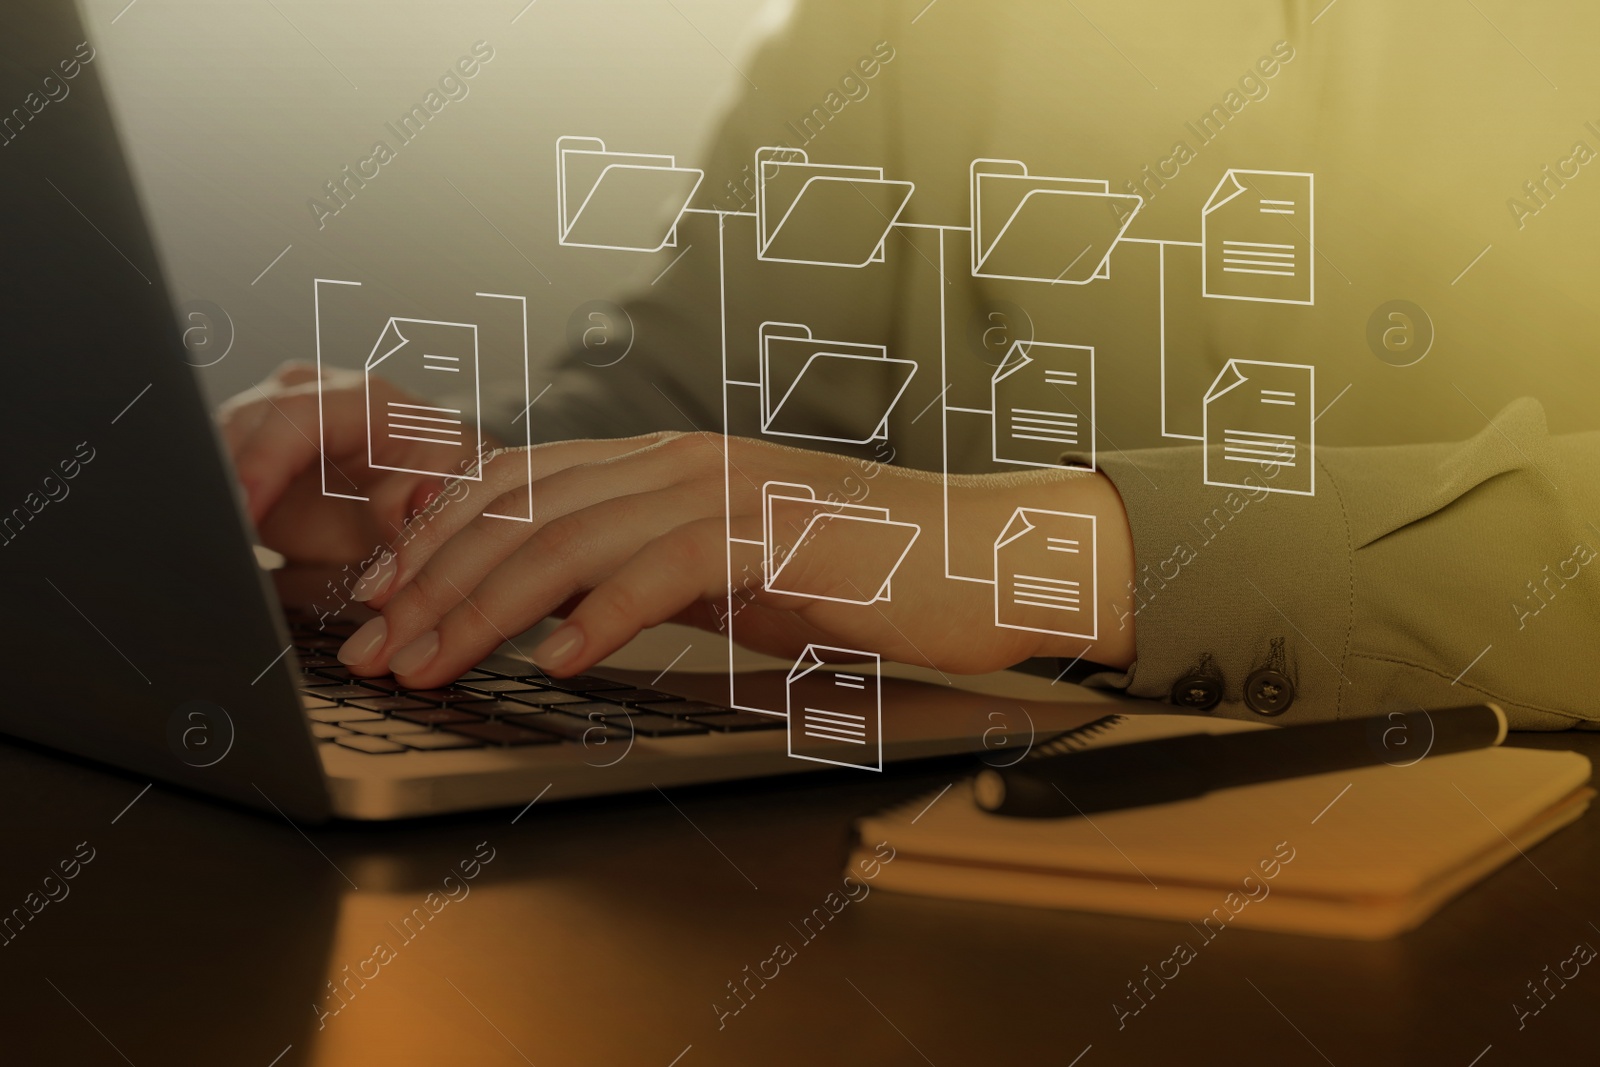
(272, 432)
(630, 533)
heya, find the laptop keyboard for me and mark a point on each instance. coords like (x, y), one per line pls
(489, 708)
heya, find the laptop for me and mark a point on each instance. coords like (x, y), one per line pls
(143, 633)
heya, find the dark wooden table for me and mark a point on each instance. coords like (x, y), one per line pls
(607, 933)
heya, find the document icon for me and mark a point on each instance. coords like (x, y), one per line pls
(1044, 573)
(629, 202)
(449, 438)
(1034, 229)
(817, 213)
(829, 550)
(1257, 236)
(835, 706)
(827, 390)
(1259, 427)
(1042, 397)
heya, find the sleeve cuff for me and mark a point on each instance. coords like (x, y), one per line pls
(1238, 579)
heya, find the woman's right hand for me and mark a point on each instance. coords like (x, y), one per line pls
(272, 432)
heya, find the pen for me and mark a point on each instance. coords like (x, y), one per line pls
(1177, 768)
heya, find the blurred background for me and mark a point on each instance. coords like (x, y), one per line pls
(236, 115)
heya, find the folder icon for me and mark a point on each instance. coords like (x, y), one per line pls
(439, 440)
(1037, 229)
(834, 700)
(629, 202)
(1042, 397)
(827, 390)
(829, 550)
(1258, 238)
(1044, 573)
(1260, 430)
(823, 214)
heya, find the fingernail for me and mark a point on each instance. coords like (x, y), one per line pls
(376, 579)
(416, 655)
(558, 648)
(364, 642)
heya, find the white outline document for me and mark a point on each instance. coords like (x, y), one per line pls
(625, 196)
(1258, 238)
(1042, 397)
(1058, 225)
(800, 374)
(424, 423)
(828, 215)
(438, 348)
(1270, 424)
(1045, 574)
(797, 529)
(827, 693)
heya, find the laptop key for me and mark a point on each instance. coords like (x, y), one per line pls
(501, 733)
(575, 728)
(327, 731)
(376, 746)
(594, 709)
(585, 683)
(739, 722)
(338, 672)
(386, 727)
(547, 698)
(341, 714)
(311, 661)
(438, 716)
(496, 709)
(307, 701)
(682, 709)
(646, 724)
(386, 704)
(495, 686)
(433, 741)
(443, 696)
(388, 685)
(338, 692)
(633, 696)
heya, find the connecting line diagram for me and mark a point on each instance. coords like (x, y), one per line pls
(1257, 244)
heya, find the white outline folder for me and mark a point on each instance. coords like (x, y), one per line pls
(628, 192)
(801, 375)
(816, 203)
(1076, 221)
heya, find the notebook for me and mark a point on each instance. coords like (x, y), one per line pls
(1367, 853)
